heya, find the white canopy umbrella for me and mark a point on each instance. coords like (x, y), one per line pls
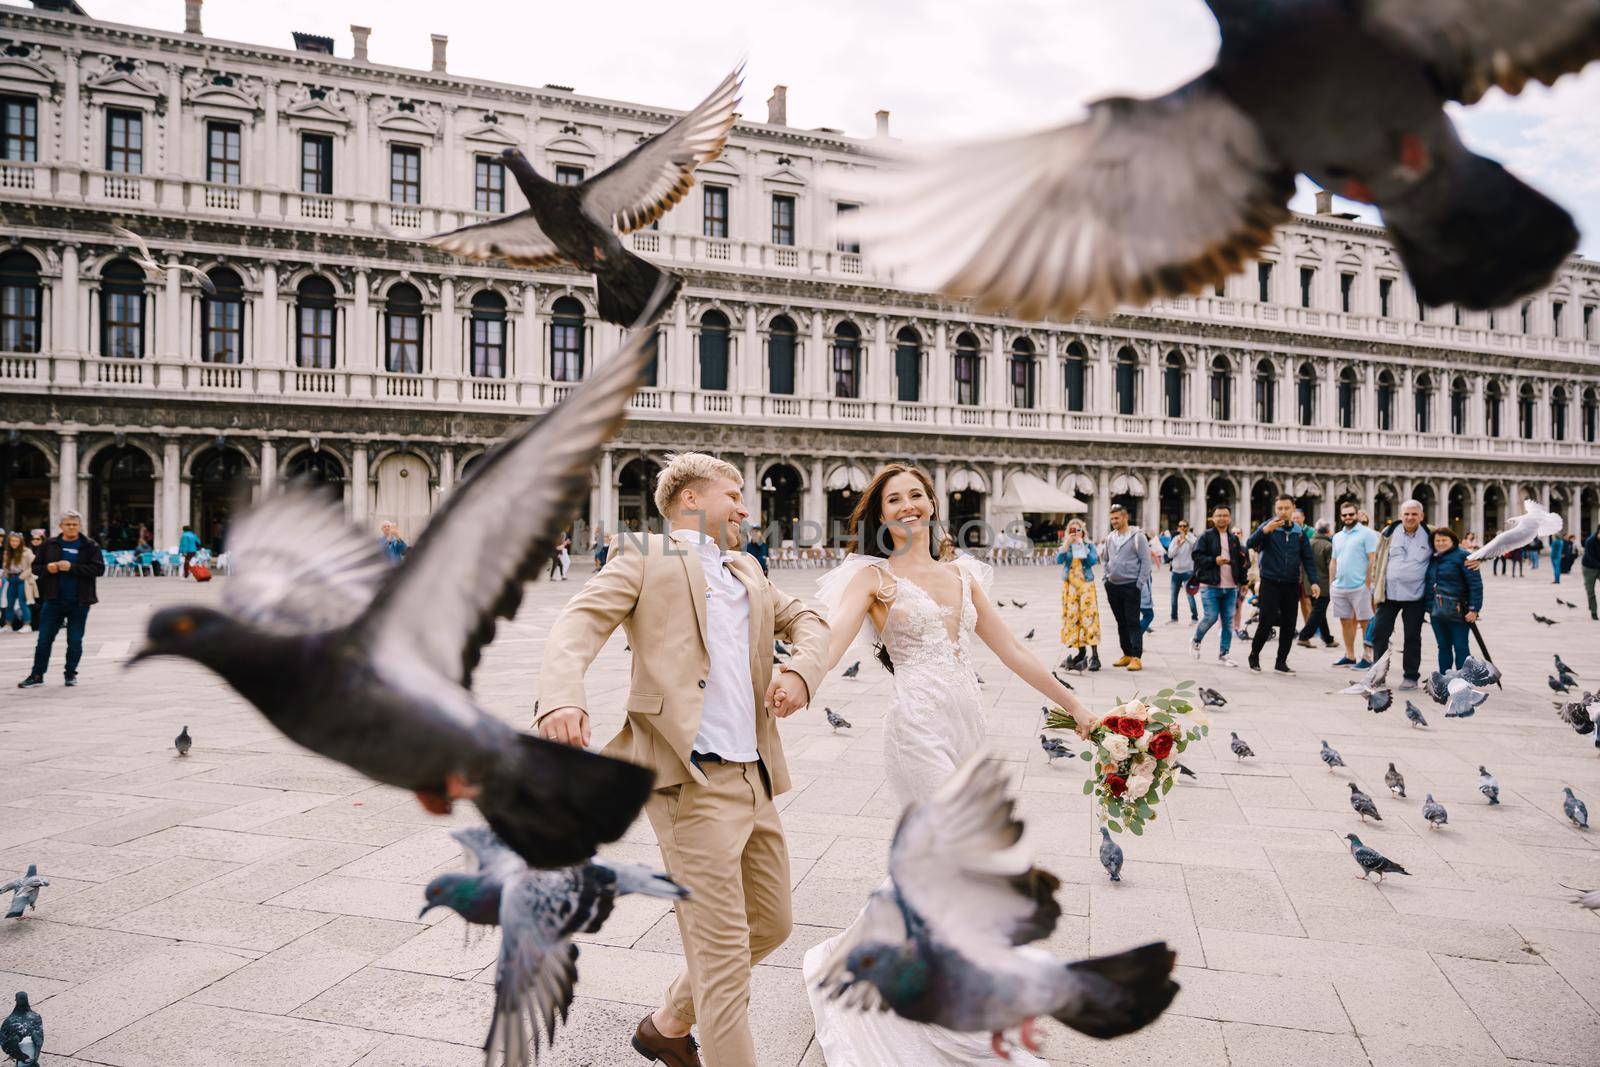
(1028, 494)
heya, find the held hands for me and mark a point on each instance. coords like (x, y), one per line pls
(1316, 591)
(787, 694)
(567, 726)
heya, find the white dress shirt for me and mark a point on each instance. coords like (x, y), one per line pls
(728, 717)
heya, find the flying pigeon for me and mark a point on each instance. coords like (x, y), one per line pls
(1559, 685)
(852, 670)
(1064, 683)
(1414, 715)
(1149, 198)
(1464, 700)
(1540, 618)
(183, 742)
(371, 665)
(578, 224)
(1576, 715)
(836, 721)
(1211, 698)
(1395, 781)
(538, 912)
(938, 943)
(1185, 771)
(1019, 603)
(1380, 700)
(1363, 804)
(1372, 861)
(1575, 810)
(148, 262)
(22, 1033)
(1054, 748)
(1438, 686)
(24, 892)
(1110, 855)
(1434, 812)
(1480, 672)
(781, 649)
(1487, 785)
(1239, 748)
(1562, 668)
(1537, 520)
(1331, 757)
(1589, 898)
(1029, 635)
(1374, 679)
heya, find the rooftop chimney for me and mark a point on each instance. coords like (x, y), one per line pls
(360, 35)
(191, 16)
(439, 41)
(778, 106)
(1324, 202)
(883, 123)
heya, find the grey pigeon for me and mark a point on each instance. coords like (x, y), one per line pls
(143, 257)
(1536, 520)
(1054, 748)
(1363, 804)
(371, 665)
(1438, 686)
(938, 944)
(1028, 636)
(24, 892)
(1019, 603)
(1239, 748)
(1574, 809)
(1395, 781)
(1487, 785)
(1541, 619)
(1110, 855)
(1372, 861)
(183, 742)
(1331, 757)
(1565, 603)
(1185, 771)
(852, 670)
(1211, 698)
(1559, 685)
(1576, 715)
(1414, 715)
(1064, 683)
(1374, 679)
(835, 720)
(1480, 672)
(578, 224)
(1562, 668)
(1434, 812)
(1464, 699)
(22, 1033)
(538, 912)
(1380, 700)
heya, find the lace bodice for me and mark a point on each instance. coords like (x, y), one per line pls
(917, 633)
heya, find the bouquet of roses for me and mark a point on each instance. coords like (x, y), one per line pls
(1135, 748)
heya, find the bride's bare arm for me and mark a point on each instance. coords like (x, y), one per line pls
(845, 621)
(994, 632)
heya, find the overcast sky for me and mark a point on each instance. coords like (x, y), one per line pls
(944, 68)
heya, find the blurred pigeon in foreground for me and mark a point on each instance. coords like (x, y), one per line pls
(1541, 619)
(852, 670)
(143, 257)
(1372, 861)
(538, 912)
(1434, 812)
(1239, 748)
(183, 742)
(1054, 748)
(578, 224)
(371, 665)
(22, 1033)
(780, 648)
(1185, 771)
(1110, 855)
(1395, 781)
(836, 721)
(1331, 757)
(1363, 804)
(1487, 785)
(24, 892)
(1589, 898)
(1536, 520)
(1575, 810)
(1576, 715)
(938, 944)
(1380, 700)
(1211, 698)
(1464, 700)
(1414, 715)
(1374, 679)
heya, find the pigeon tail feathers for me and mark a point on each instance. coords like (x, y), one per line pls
(1122, 993)
(623, 288)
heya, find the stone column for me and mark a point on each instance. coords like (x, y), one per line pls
(1369, 494)
(1099, 522)
(269, 467)
(69, 332)
(72, 115)
(940, 371)
(1513, 499)
(1330, 492)
(1105, 396)
(529, 342)
(360, 357)
(1051, 394)
(447, 357)
(447, 471)
(1476, 522)
(448, 163)
(606, 515)
(171, 310)
(1152, 507)
(996, 392)
(820, 362)
(268, 353)
(359, 147)
(941, 483)
(997, 485)
(360, 484)
(750, 362)
(752, 491)
(273, 166)
(67, 492)
(169, 520)
(816, 508)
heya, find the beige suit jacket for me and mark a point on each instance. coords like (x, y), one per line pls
(655, 589)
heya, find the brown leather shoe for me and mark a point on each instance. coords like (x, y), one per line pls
(671, 1051)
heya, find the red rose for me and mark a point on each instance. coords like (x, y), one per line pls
(1116, 785)
(1161, 745)
(1129, 727)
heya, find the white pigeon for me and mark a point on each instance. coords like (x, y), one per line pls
(148, 262)
(1464, 699)
(1375, 678)
(1537, 521)
(1589, 898)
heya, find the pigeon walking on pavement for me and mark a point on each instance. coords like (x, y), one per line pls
(852, 670)
(1574, 809)
(579, 224)
(1536, 519)
(1562, 668)
(22, 1033)
(1372, 861)
(1054, 749)
(1110, 855)
(1559, 685)
(1414, 715)
(24, 892)
(183, 742)
(1239, 748)
(1434, 812)
(1211, 698)
(1029, 635)
(143, 257)
(1541, 619)
(371, 664)
(1566, 603)
(1331, 757)
(1487, 785)
(835, 720)
(938, 944)
(1395, 781)
(1019, 603)
(1362, 804)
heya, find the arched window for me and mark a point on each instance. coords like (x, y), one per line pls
(314, 332)
(908, 365)
(1221, 389)
(781, 346)
(1591, 415)
(488, 335)
(966, 369)
(1423, 395)
(1493, 403)
(402, 331)
(1386, 389)
(1172, 385)
(1127, 381)
(1305, 389)
(714, 351)
(122, 310)
(566, 340)
(1266, 392)
(1526, 403)
(1024, 375)
(222, 319)
(847, 361)
(1558, 413)
(1460, 394)
(1348, 386)
(1077, 376)
(19, 302)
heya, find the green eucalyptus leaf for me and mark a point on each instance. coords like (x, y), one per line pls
(1112, 823)
(1137, 828)
(1088, 787)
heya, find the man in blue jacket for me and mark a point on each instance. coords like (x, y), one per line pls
(66, 567)
(1285, 553)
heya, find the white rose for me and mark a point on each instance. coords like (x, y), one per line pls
(1139, 785)
(1135, 709)
(1116, 747)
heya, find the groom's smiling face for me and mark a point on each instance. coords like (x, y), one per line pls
(715, 508)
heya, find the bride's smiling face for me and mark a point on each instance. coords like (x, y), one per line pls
(906, 509)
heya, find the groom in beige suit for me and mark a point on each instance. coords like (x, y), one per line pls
(702, 703)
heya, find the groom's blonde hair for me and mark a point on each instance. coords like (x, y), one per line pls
(687, 470)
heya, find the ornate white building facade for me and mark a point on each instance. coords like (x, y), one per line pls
(339, 348)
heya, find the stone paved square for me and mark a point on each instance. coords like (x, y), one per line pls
(253, 904)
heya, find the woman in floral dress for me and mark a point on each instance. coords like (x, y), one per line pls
(1080, 598)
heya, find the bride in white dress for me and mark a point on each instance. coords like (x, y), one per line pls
(925, 604)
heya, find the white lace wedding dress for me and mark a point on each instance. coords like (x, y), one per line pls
(935, 723)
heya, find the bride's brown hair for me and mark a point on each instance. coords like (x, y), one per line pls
(867, 528)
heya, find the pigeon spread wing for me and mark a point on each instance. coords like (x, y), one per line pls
(502, 524)
(881, 923)
(515, 239)
(483, 851)
(641, 186)
(138, 242)
(1536, 521)
(1470, 46)
(538, 966)
(299, 567)
(1143, 198)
